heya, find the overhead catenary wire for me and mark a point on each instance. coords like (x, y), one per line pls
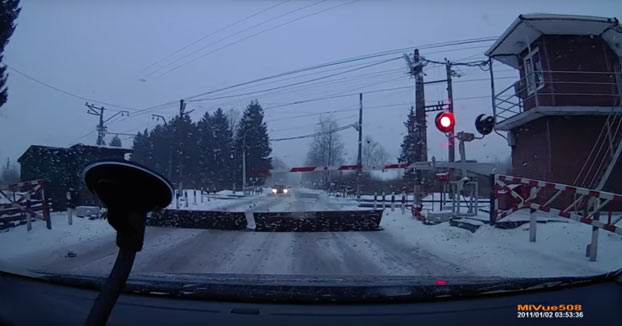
(306, 87)
(260, 32)
(338, 62)
(299, 82)
(340, 68)
(172, 54)
(50, 86)
(312, 135)
(299, 76)
(328, 64)
(297, 127)
(312, 87)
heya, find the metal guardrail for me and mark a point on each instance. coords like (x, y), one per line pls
(511, 100)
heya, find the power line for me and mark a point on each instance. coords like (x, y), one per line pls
(64, 91)
(339, 68)
(309, 87)
(334, 63)
(245, 38)
(319, 72)
(83, 136)
(314, 134)
(297, 83)
(351, 116)
(336, 96)
(213, 33)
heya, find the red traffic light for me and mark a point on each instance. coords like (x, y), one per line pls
(445, 121)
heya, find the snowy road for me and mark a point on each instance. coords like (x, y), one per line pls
(404, 246)
(215, 251)
(299, 199)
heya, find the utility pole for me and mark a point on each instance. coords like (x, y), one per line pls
(329, 161)
(421, 148)
(450, 95)
(359, 156)
(101, 127)
(170, 152)
(421, 145)
(182, 108)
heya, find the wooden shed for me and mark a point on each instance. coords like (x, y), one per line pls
(60, 167)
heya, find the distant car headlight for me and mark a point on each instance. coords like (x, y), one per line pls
(273, 191)
(285, 191)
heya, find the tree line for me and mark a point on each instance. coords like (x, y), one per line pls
(207, 153)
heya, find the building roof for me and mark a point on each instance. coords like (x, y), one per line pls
(41, 148)
(51, 149)
(528, 28)
(112, 148)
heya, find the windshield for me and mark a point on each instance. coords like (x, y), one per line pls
(317, 138)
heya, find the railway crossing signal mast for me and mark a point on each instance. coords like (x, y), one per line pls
(101, 127)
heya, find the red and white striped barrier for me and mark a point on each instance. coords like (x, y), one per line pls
(336, 168)
(601, 198)
(482, 168)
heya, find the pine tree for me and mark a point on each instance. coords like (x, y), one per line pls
(408, 153)
(222, 150)
(141, 148)
(9, 10)
(116, 141)
(253, 129)
(205, 143)
(185, 152)
(160, 152)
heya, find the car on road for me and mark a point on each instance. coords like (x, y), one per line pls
(280, 190)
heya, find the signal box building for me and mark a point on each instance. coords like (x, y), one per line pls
(563, 116)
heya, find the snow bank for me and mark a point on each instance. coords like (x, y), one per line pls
(559, 249)
(18, 242)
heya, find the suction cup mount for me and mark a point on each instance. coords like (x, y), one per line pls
(129, 191)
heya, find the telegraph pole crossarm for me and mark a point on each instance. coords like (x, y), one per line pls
(122, 113)
(159, 117)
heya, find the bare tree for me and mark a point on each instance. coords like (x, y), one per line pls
(9, 174)
(233, 116)
(326, 149)
(373, 153)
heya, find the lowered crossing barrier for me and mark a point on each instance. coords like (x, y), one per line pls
(312, 221)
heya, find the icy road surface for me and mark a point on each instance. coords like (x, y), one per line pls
(403, 247)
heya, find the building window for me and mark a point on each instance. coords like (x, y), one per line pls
(533, 71)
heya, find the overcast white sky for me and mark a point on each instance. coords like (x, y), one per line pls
(100, 50)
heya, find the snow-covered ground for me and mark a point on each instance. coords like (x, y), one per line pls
(404, 247)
